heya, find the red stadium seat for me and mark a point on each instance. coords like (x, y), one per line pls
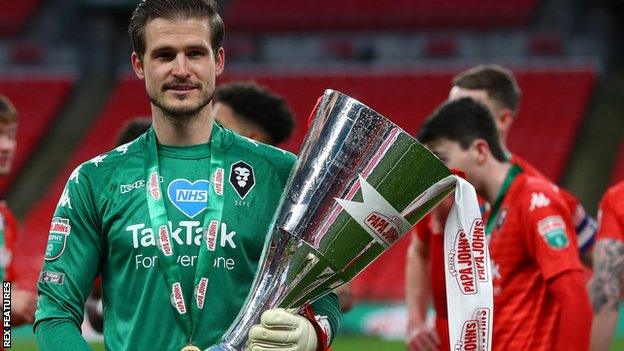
(14, 15)
(277, 15)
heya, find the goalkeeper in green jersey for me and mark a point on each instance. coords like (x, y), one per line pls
(175, 220)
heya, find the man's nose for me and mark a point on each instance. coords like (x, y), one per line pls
(181, 68)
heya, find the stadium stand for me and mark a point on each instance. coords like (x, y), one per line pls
(276, 15)
(14, 15)
(407, 97)
(38, 100)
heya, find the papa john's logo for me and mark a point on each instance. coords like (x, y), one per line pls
(57, 239)
(387, 229)
(468, 264)
(474, 335)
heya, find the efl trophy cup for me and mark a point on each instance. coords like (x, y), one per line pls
(359, 185)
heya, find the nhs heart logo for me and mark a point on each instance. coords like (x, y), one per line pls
(190, 198)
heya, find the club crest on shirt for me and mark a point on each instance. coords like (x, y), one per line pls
(190, 198)
(553, 230)
(242, 178)
(500, 220)
(57, 239)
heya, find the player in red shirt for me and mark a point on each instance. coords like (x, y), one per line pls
(496, 88)
(540, 301)
(23, 302)
(605, 288)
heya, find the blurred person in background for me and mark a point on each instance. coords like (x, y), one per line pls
(254, 112)
(540, 300)
(605, 288)
(165, 219)
(496, 88)
(93, 306)
(23, 302)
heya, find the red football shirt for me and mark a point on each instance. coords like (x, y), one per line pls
(531, 242)
(611, 214)
(585, 231)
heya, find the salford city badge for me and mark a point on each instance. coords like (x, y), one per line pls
(57, 239)
(242, 178)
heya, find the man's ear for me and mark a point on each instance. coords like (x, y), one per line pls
(219, 61)
(505, 119)
(481, 151)
(137, 66)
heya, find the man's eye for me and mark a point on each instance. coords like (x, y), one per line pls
(196, 53)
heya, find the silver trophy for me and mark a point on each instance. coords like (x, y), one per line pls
(359, 185)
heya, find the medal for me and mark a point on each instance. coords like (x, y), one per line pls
(190, 347)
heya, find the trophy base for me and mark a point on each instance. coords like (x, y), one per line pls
(221, 347)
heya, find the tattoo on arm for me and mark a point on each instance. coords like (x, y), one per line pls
(604, 288)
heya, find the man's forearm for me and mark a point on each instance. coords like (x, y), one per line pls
(59, 335)
(604, 290)
(418, 285)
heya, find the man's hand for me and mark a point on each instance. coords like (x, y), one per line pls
(23, 306)
(281, 330)
(423, 338)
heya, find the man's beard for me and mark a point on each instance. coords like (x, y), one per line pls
(182, 115)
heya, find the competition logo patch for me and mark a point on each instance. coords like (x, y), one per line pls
(177, 299)
(189, 198)
(553, 230)
(474, 335)
(242, 178)
(52, 277)
(57, 239)
(200, 292)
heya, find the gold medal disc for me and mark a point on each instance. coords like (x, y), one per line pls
(190, 348)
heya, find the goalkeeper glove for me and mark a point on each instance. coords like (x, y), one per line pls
(282, 330)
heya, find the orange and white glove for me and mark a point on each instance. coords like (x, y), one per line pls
(282, 330)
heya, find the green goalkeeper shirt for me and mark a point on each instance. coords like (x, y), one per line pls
(102, 226)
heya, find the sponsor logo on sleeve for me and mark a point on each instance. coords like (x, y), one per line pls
(163, 240)
(200, 292)
(154, 186)
(553, 230)
(190, 198)
(538, 200)
(474, 335)
(242, 178)
(57, 238)
(52, 277)
(177, 299)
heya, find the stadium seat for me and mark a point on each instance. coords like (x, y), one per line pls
(14, 15)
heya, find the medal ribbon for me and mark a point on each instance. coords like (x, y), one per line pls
(186, 314)
(513, 172)
(468, 273)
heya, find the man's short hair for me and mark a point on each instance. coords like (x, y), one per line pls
(259, 106)
(148, 10)
(499, 83)
(133, 129)
(8, 112)
(462, 121)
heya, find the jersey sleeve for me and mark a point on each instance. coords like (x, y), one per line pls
(550, 235)
(610, 226)
(72, 255)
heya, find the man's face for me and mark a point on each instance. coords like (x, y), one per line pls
(453, 156)
(179, 66)
(8, 145)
